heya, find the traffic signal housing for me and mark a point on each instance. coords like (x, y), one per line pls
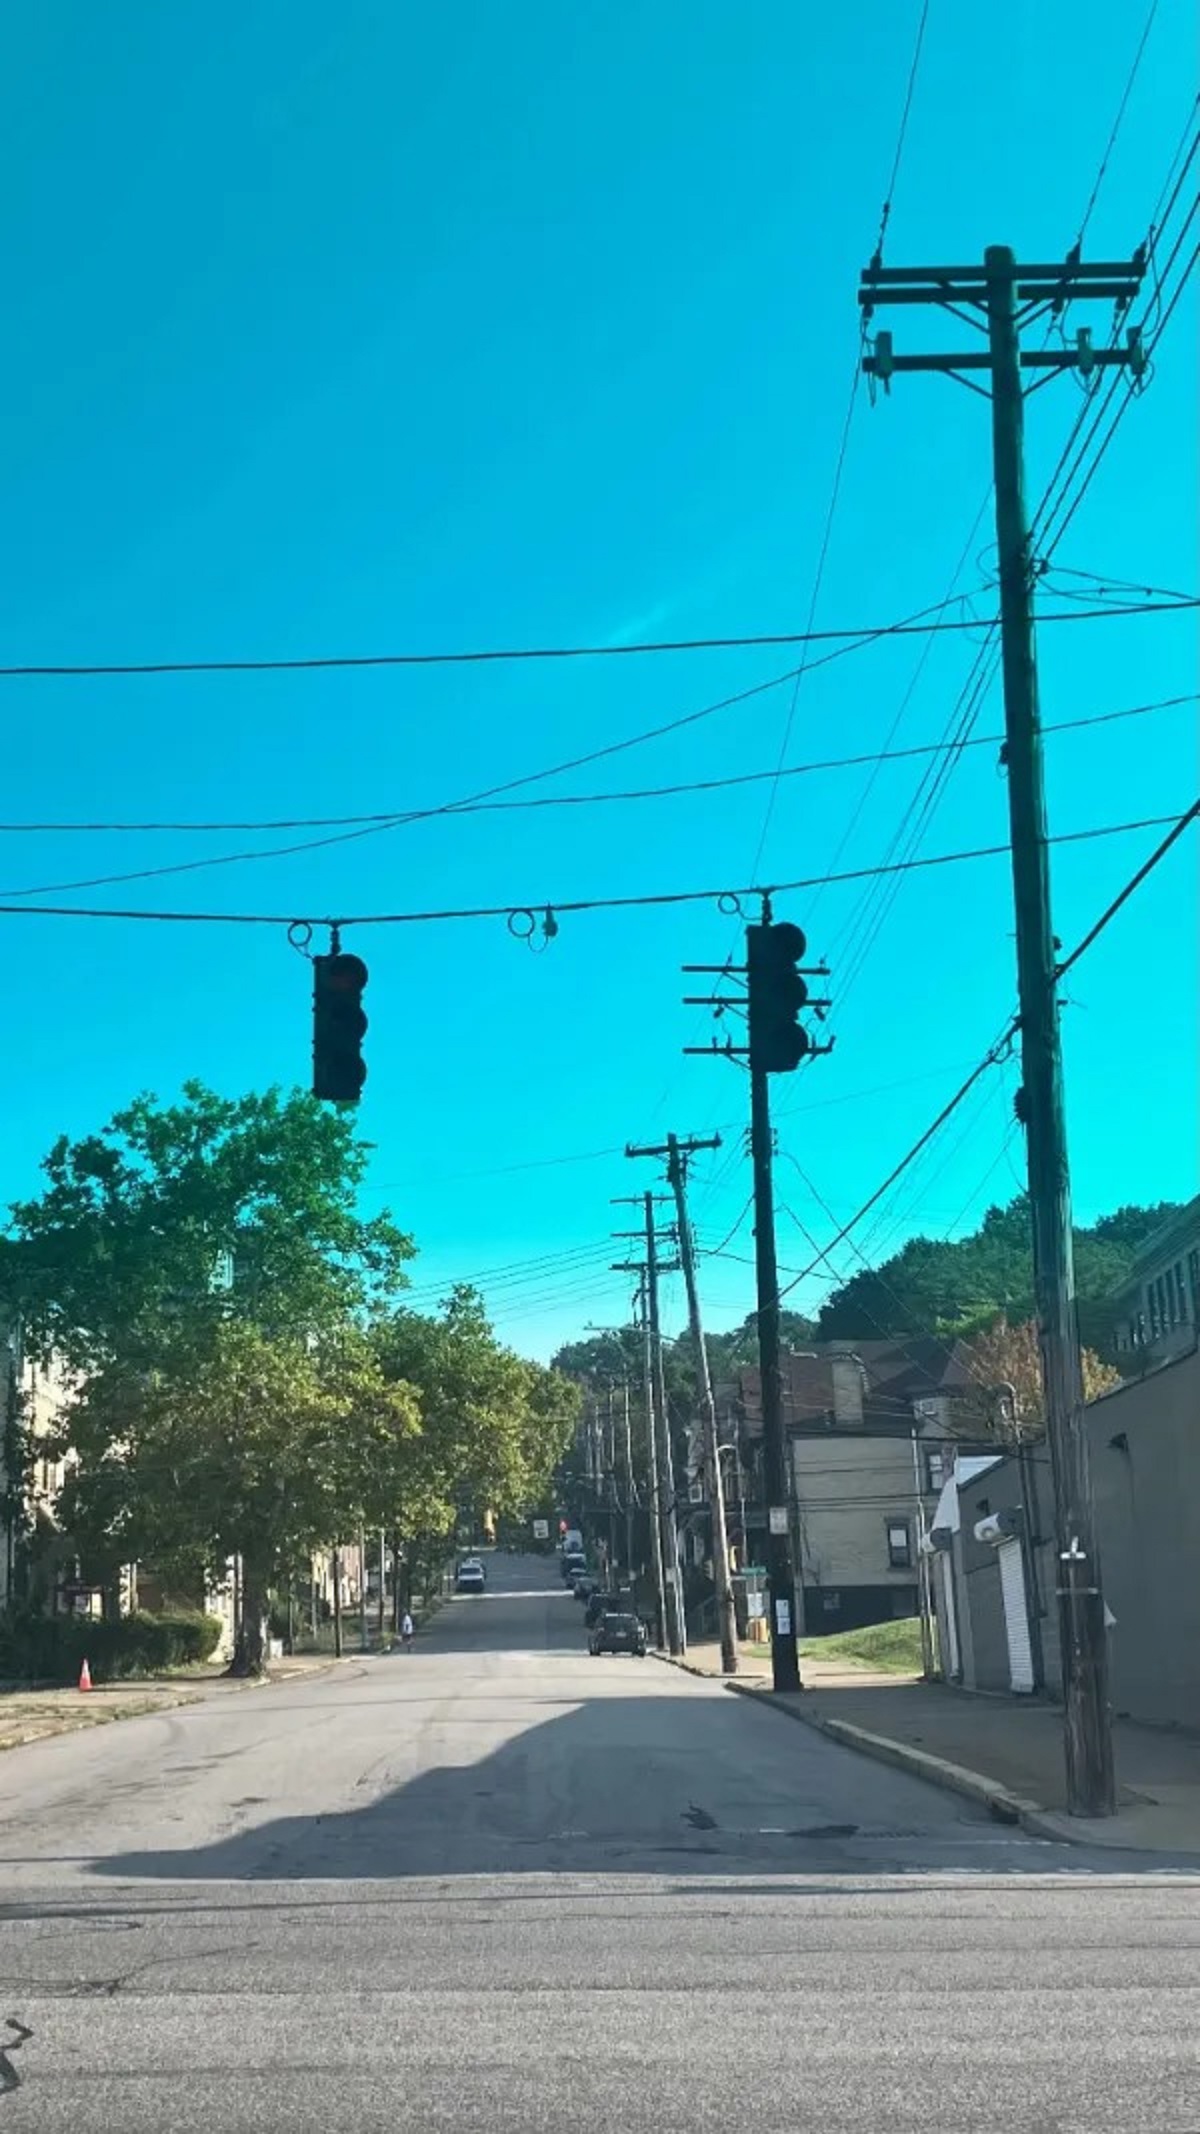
(339, 1026)
(778, 1040)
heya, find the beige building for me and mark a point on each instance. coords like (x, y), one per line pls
(872, 1429)
(32, 1472)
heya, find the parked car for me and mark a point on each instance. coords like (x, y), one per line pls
(572, 1566)
(618, 1633)
(584, 1585)
(600, 1604)
(469, 1578)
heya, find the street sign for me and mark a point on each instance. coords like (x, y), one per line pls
(777, 1519)
(541, 1530)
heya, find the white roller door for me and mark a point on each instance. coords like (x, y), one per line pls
(1016, 1616)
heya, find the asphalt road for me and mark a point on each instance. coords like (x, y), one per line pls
(496, 1884)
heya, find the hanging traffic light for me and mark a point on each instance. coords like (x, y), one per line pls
(778, 1040)
(339, 1027)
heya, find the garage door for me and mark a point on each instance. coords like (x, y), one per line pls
(1016, 1616)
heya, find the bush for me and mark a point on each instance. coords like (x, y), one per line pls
(53, 1648)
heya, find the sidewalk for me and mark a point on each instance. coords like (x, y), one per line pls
(36, 1714)
(754, 1666)
(1005, 1752)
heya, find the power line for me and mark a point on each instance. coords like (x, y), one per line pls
(555, 908)
(1000, 1048)
(1135, 881)
(1117, 123)
(682, 787)
(338, 662)
(902, 134)
(488, 794)
(970, 698)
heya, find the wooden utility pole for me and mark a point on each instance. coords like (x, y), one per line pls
(777, 991)
(675, 1152)
(781, 1568)
(658, 1424)
(336, 1569)
(648, 1395)
(1007, 296)
(627, 1461)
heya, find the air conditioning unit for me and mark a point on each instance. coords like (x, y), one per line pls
(695, 1492)
(926, 1410)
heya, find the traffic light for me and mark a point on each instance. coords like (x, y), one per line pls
(778, 1040)
(339, 1027)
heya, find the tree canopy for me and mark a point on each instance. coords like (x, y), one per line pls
(961, 1288)
(247, 1378)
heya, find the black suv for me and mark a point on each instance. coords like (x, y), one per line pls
(618, 1633)
(600, 1604)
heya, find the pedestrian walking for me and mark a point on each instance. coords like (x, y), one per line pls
(406, 1632)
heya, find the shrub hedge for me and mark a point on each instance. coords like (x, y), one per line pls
(53, 1648)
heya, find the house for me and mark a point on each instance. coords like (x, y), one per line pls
(996, 1597)
(1156, 1311)
(872, 1432)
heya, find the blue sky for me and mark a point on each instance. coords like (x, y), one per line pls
(386, 328)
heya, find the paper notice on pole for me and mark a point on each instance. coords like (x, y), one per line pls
(783, 1618)
(777, 1518)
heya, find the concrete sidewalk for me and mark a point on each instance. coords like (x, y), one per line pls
(754, 1666)
(1006, 1752)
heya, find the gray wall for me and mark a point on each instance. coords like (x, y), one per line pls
(1145, 1453)
(1148, 1521)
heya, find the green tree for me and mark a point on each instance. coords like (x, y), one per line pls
(1007, 1355)
(139, 1225)
(494, 1425)
(204, 1270)
(960, 1288)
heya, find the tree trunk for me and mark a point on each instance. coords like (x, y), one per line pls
(249, 1651)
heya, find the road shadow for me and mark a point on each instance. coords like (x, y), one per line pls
(646, 1785)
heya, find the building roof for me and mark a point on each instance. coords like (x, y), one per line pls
(894, 1374)
(1180, 1231)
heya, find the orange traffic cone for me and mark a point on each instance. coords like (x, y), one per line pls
(85, 1676)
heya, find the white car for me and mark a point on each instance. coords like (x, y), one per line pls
(469, 1578)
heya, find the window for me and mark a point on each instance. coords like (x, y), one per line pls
(1154, 1308)
(938, 1467)
(1194, 1281)
(899, 1545)
(1181, 1295)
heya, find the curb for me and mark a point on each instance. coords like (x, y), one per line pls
(1003, 1805)
(705, 1674)
(96, 1718)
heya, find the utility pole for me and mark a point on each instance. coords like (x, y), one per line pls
(781, 1567)
(1007, 297)
(675, 1151)
(337, 1603)
(628, 1448)
(776, 992)
(659, 1426)
(364, 1628)
(656, 1509)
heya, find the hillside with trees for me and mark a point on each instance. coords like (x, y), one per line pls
(931, 1286)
